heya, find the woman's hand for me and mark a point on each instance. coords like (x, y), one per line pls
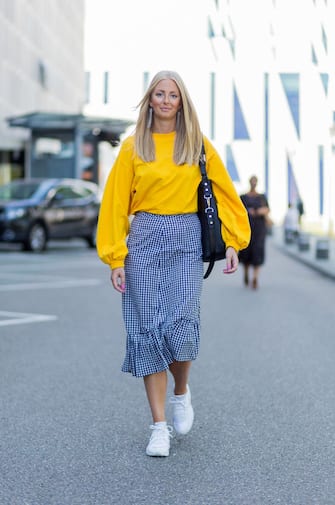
(231, 261)
(252, 212)
(118, 279)
(262, 211)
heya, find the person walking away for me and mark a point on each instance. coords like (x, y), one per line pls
(156, 257)
(301, 210)
(254, 255)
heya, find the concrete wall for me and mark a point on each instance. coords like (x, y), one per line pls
(41, 60)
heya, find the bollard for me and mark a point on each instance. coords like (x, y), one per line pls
(303, 242)
(289, 236)
(322, 249)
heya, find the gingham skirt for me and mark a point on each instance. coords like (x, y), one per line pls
(161, 305)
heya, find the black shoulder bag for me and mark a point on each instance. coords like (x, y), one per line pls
(213, 246)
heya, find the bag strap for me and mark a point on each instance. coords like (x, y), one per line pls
(202, 162)
(202, 165)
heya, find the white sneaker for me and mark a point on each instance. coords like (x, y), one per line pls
(159, 443)
(183, 414)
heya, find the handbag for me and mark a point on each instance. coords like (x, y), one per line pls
(213, 246)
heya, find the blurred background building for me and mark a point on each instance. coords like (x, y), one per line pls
(41, 69)
(43, 132)
(276, 58)
(261, 75)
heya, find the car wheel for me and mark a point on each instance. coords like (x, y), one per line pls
(37, 238)
(92, 238)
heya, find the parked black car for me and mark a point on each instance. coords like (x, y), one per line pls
(33, 211)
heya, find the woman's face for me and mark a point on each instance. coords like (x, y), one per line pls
(253, 182)
(165, 100)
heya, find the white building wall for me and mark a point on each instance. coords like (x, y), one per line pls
(275, 37)
(37, 34)
(132, 37)
(248, 41)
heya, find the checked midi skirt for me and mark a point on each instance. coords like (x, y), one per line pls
(161, 304)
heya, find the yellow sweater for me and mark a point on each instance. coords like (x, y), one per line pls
(162, 187)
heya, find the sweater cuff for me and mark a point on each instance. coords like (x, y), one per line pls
(117, 264)
(234, 245)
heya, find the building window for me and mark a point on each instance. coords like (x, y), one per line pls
(106, 80)
(293, 193)
(314, 58)
(145, 81)
(210, 30)
(325, 80)
(42, 74)
(87, 86)
(291, 85)
(212, 106)
(324, 39)
(46, 148)
(240, 126)
(231, 164)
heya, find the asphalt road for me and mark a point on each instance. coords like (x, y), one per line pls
(73, 428)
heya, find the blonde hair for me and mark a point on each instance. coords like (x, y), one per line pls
(188, 134)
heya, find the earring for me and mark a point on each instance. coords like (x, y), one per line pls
(149, 122)
(178, 120)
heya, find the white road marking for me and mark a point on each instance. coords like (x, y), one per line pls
(23, 318)
(49, 285)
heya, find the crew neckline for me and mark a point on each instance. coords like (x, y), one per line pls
(165, 134)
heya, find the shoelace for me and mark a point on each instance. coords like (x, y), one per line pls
(178, 401)
(156, 429)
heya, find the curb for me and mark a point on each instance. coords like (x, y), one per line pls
(325, 267)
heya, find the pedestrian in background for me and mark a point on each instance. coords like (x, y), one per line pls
(258, 210)
(158, 268)
(301, 210)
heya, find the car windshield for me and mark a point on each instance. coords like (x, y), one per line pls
(18, 190)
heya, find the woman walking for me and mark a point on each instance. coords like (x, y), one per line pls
(156, 262)
(254, 255)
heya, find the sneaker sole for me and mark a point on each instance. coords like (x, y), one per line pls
(157, 454)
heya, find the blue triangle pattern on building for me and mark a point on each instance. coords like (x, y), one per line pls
(210, 30)
(324, 38)
(232, 47)
(291, 85)
(324, 80)
(231, 165)
(292, 186)
(240, 126)
(314, 58)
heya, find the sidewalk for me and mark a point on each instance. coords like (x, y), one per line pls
(308, 253)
